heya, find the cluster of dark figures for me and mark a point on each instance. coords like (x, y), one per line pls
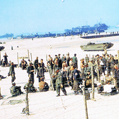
(32, 68)
(4, 62)
(64, 72)
(105, 65)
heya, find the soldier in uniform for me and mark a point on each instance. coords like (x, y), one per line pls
(86, 59)
(31, 87)
(12, 72)
(67, 59)
(56, 65)
(23, 64)
(63, 58)
(87, 74)
(75, 61)
(116, 76)
(70, 71)
(30, 71)
(36, 63)
(116, 59)
(59, 61)
(15, 90)
(59, 83)
(40, 72)
(5, 59)
(77, 80)
(43, 86)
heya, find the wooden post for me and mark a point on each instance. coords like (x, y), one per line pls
(27, 102)
(92, 75)
(31, 56)
(98, 71)
(28, 53)
(85, 101)
(18, 59)
(46, 57)
(26, 109)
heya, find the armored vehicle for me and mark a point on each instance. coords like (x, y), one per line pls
(96, 46)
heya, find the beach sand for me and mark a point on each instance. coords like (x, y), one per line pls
(46, 105)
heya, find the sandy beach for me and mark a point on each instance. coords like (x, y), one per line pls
(45, 105)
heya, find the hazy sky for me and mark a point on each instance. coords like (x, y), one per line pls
(31, 16)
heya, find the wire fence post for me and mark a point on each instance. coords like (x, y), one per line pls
(92, 75)
(28, 53)
(18, 59)
(85, 101)
(26, 109)
(98, 76)
(31, 56)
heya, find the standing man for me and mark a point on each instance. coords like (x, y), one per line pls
(5, 59)
(68, 59)
(36, 64)
(116, 76)
(59, 83)
(86, 59)
(12, 72)
(75, 61)
(77, 80)
(30, 71)
(59, 61)
(40, 72)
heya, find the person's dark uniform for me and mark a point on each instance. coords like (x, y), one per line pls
(87, 74)
(31, 87)
(53, 82)
(36, 63)
(77, 80)
(75, 61)
(12, 72)
(108, 66)
(40, 72)
(30, 71)
(100, 88)
(5, 59)
(67, 59)
(64, 77)
(59, 61)
(15, 90)
(116, 59)
(23, 64)
(70, 71)
(104, 64)
(59, 83)
(116, 76)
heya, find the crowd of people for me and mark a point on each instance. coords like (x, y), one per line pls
(64, 72)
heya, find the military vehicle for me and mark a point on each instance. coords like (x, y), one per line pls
(1, 48)
(96, 46)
